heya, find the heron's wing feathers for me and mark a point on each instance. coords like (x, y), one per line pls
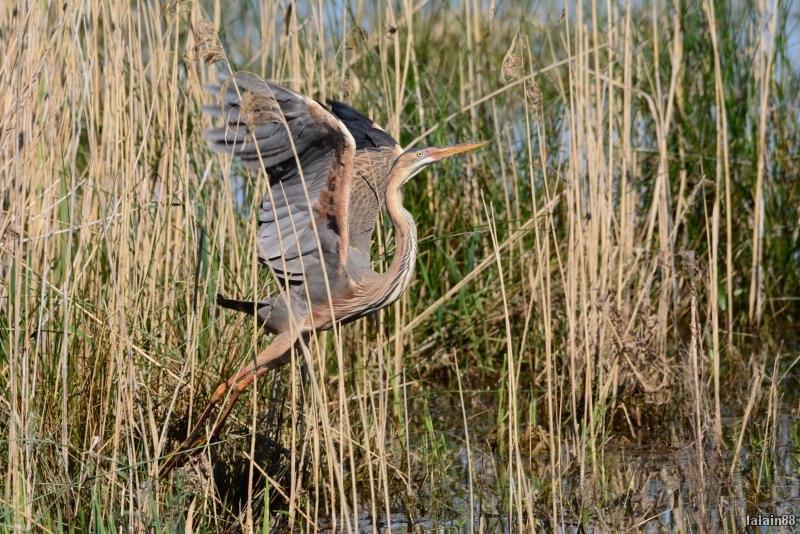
(366, 133)
(268, 125)
(376, 152)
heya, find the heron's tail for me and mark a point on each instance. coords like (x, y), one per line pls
(246, 306)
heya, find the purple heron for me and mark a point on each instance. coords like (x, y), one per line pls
(330, 170)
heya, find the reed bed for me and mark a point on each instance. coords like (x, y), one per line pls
(619, 267)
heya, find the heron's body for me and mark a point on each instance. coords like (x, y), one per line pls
(330, 171)
(351, 284)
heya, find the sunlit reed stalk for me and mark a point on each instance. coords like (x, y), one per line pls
(547, 266)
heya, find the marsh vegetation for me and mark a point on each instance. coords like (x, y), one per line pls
(602, 329)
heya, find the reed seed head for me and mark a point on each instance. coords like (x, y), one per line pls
(258, 109)
(347, 88)
(511, 62)
(206, 43)
(171, 6)
(355, 38)
(534, 94)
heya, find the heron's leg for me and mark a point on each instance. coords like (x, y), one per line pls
(263, 367)
(277, 354)
(237, 390)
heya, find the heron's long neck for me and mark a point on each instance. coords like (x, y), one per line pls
(398, 276)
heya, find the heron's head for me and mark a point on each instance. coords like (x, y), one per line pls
(414, 160)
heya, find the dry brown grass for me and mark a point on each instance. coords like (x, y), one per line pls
(594, 268)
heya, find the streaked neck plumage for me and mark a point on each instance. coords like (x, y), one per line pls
(401, 270)
(388, 286)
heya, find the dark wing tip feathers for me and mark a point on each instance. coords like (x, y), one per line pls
(245, 306)
(361, 127)
(238, 305)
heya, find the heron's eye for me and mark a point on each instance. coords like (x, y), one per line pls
(419, 154)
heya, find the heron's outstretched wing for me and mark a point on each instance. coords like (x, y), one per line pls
(272, 127)
(376, 152)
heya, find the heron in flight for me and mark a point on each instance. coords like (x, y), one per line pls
(330, 170)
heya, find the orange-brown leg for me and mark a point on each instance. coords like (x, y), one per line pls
(276, 355)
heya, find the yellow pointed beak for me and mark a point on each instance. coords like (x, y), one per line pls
(444, 152)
